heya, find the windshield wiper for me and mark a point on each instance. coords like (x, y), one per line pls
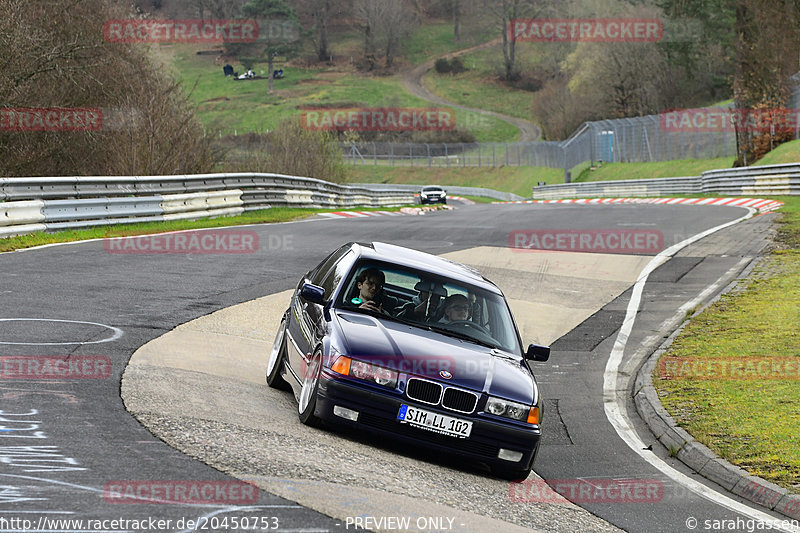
(379, 314)
(459, 335)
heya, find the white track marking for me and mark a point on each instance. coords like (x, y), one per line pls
(615, 411)
(116, 332)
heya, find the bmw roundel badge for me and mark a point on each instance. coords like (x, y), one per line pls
(445, 374)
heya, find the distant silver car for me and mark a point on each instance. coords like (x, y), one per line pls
(432, 194)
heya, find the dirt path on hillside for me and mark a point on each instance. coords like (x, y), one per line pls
(412, 80)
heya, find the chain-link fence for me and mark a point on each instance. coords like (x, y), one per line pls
(540, 154)
(683, 134)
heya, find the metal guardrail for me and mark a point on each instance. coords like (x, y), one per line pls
(50, 204)
(604, 189)
(764, 180)
(769, 179)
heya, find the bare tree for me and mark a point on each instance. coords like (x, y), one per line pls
(58, 60)
(386, 25)
(294, 150)
(218, 9)
(503, 12)
(766, 57)
(620, 79)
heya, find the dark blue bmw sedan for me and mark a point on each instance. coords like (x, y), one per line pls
(413, 347)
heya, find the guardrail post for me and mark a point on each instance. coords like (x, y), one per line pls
(375, 153)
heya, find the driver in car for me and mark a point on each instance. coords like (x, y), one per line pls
(456, 308)
(370, 291)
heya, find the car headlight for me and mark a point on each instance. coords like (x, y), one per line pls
(365, 371)
(513, 410)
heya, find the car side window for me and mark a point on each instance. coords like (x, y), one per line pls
(318, 275)
(336, 274)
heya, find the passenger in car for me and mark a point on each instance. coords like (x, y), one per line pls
(456, 307)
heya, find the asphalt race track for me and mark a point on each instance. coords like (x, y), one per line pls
(67, 444)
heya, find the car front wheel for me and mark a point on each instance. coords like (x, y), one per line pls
(276, 358)
(308, 393)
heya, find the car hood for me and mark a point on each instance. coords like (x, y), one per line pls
(432, 355)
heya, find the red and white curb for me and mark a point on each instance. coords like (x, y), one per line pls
(363, 214)
(761, 204)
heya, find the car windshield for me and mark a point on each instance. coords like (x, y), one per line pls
(430, 301)
(432, 189)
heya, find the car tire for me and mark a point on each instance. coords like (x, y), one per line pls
(276, 359)
(307, 402)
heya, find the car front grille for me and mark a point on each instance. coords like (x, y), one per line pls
(459, 400)
(433, 393)
(424, 391)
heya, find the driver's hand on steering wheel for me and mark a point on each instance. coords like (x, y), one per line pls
(369, 304)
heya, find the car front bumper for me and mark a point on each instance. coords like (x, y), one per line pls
(377, 413)
(433, 199)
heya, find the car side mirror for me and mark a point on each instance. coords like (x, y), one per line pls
(312, 293)
(537, 352)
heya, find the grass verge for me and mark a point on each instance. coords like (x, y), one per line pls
(785, 153)
(231, 107)
(519, 180)
(262, 216)
(749, 417)
(479, 88)
(655, 169)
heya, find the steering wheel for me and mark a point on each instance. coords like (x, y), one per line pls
(471, 324)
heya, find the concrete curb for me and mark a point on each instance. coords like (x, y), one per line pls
(403, 211)
(697, 456)
(762, 205)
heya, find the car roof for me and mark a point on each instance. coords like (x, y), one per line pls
(391, 253)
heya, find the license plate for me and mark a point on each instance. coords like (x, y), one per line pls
(436, 422)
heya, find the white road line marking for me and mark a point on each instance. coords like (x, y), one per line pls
(615, 411)
(117, 333)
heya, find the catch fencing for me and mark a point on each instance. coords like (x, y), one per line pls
(628, 140)
(638, 139)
